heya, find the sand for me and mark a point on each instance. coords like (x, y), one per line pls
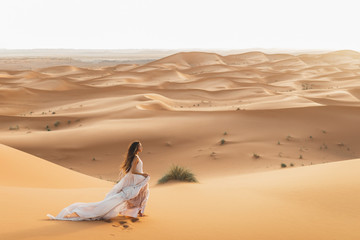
(75, 123)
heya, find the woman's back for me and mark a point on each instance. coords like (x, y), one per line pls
(139, 165)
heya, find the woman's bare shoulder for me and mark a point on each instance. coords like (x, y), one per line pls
(136, 160)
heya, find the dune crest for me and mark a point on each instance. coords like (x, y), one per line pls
(24, 170)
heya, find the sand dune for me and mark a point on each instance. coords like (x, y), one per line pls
(314, 202)
(19, 169)
(189, 89)
(233, 120)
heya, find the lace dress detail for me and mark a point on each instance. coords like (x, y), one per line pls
(127, 197)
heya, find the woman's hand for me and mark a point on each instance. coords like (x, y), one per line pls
(145, 174)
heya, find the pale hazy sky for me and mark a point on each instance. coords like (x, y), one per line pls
(167, 24)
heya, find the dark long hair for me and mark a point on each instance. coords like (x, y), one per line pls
(132, 150)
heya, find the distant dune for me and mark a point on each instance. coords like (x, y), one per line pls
(272, 137)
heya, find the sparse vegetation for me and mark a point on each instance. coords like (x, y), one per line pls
(300, 157)
(48, 128)
(179, 174)
(256, 156)
(306, 86)
(311, 137)
(14, 128)
(222, 142)
(57, 123)
(291, 164)
(278, 143)
(225, 133)
(283, 165)
(94, 159)
(289, 138)
(53, 112)
(68, 121)
(323, 131)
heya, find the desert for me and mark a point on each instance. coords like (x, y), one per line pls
(271, 137)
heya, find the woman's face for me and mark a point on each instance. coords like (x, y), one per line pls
(140, 148)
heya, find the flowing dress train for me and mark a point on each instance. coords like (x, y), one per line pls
(127, 197)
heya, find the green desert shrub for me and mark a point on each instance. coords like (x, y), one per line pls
(178, 173)
(283, 165)
(57, 123)
(14, 128)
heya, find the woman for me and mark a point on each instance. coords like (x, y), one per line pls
(128, 197)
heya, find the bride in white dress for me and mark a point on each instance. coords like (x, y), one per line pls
(128, 197)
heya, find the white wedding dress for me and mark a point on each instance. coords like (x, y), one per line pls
(127, 197)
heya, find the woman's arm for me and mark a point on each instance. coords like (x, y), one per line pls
(143, 174)
(133, 168)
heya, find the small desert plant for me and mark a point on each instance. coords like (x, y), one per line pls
(57, 123)
(256, 156)
(53, 112)
(14, 128)
(178, 173)
(291, 164)
(48, 128)
(306, 86)
(222, 142)
(69, 121)
(289, 138)
(283, 165)
(278, 143)
(225, 133)
(300, 157)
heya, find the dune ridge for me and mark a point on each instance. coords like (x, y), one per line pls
(278, 74)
